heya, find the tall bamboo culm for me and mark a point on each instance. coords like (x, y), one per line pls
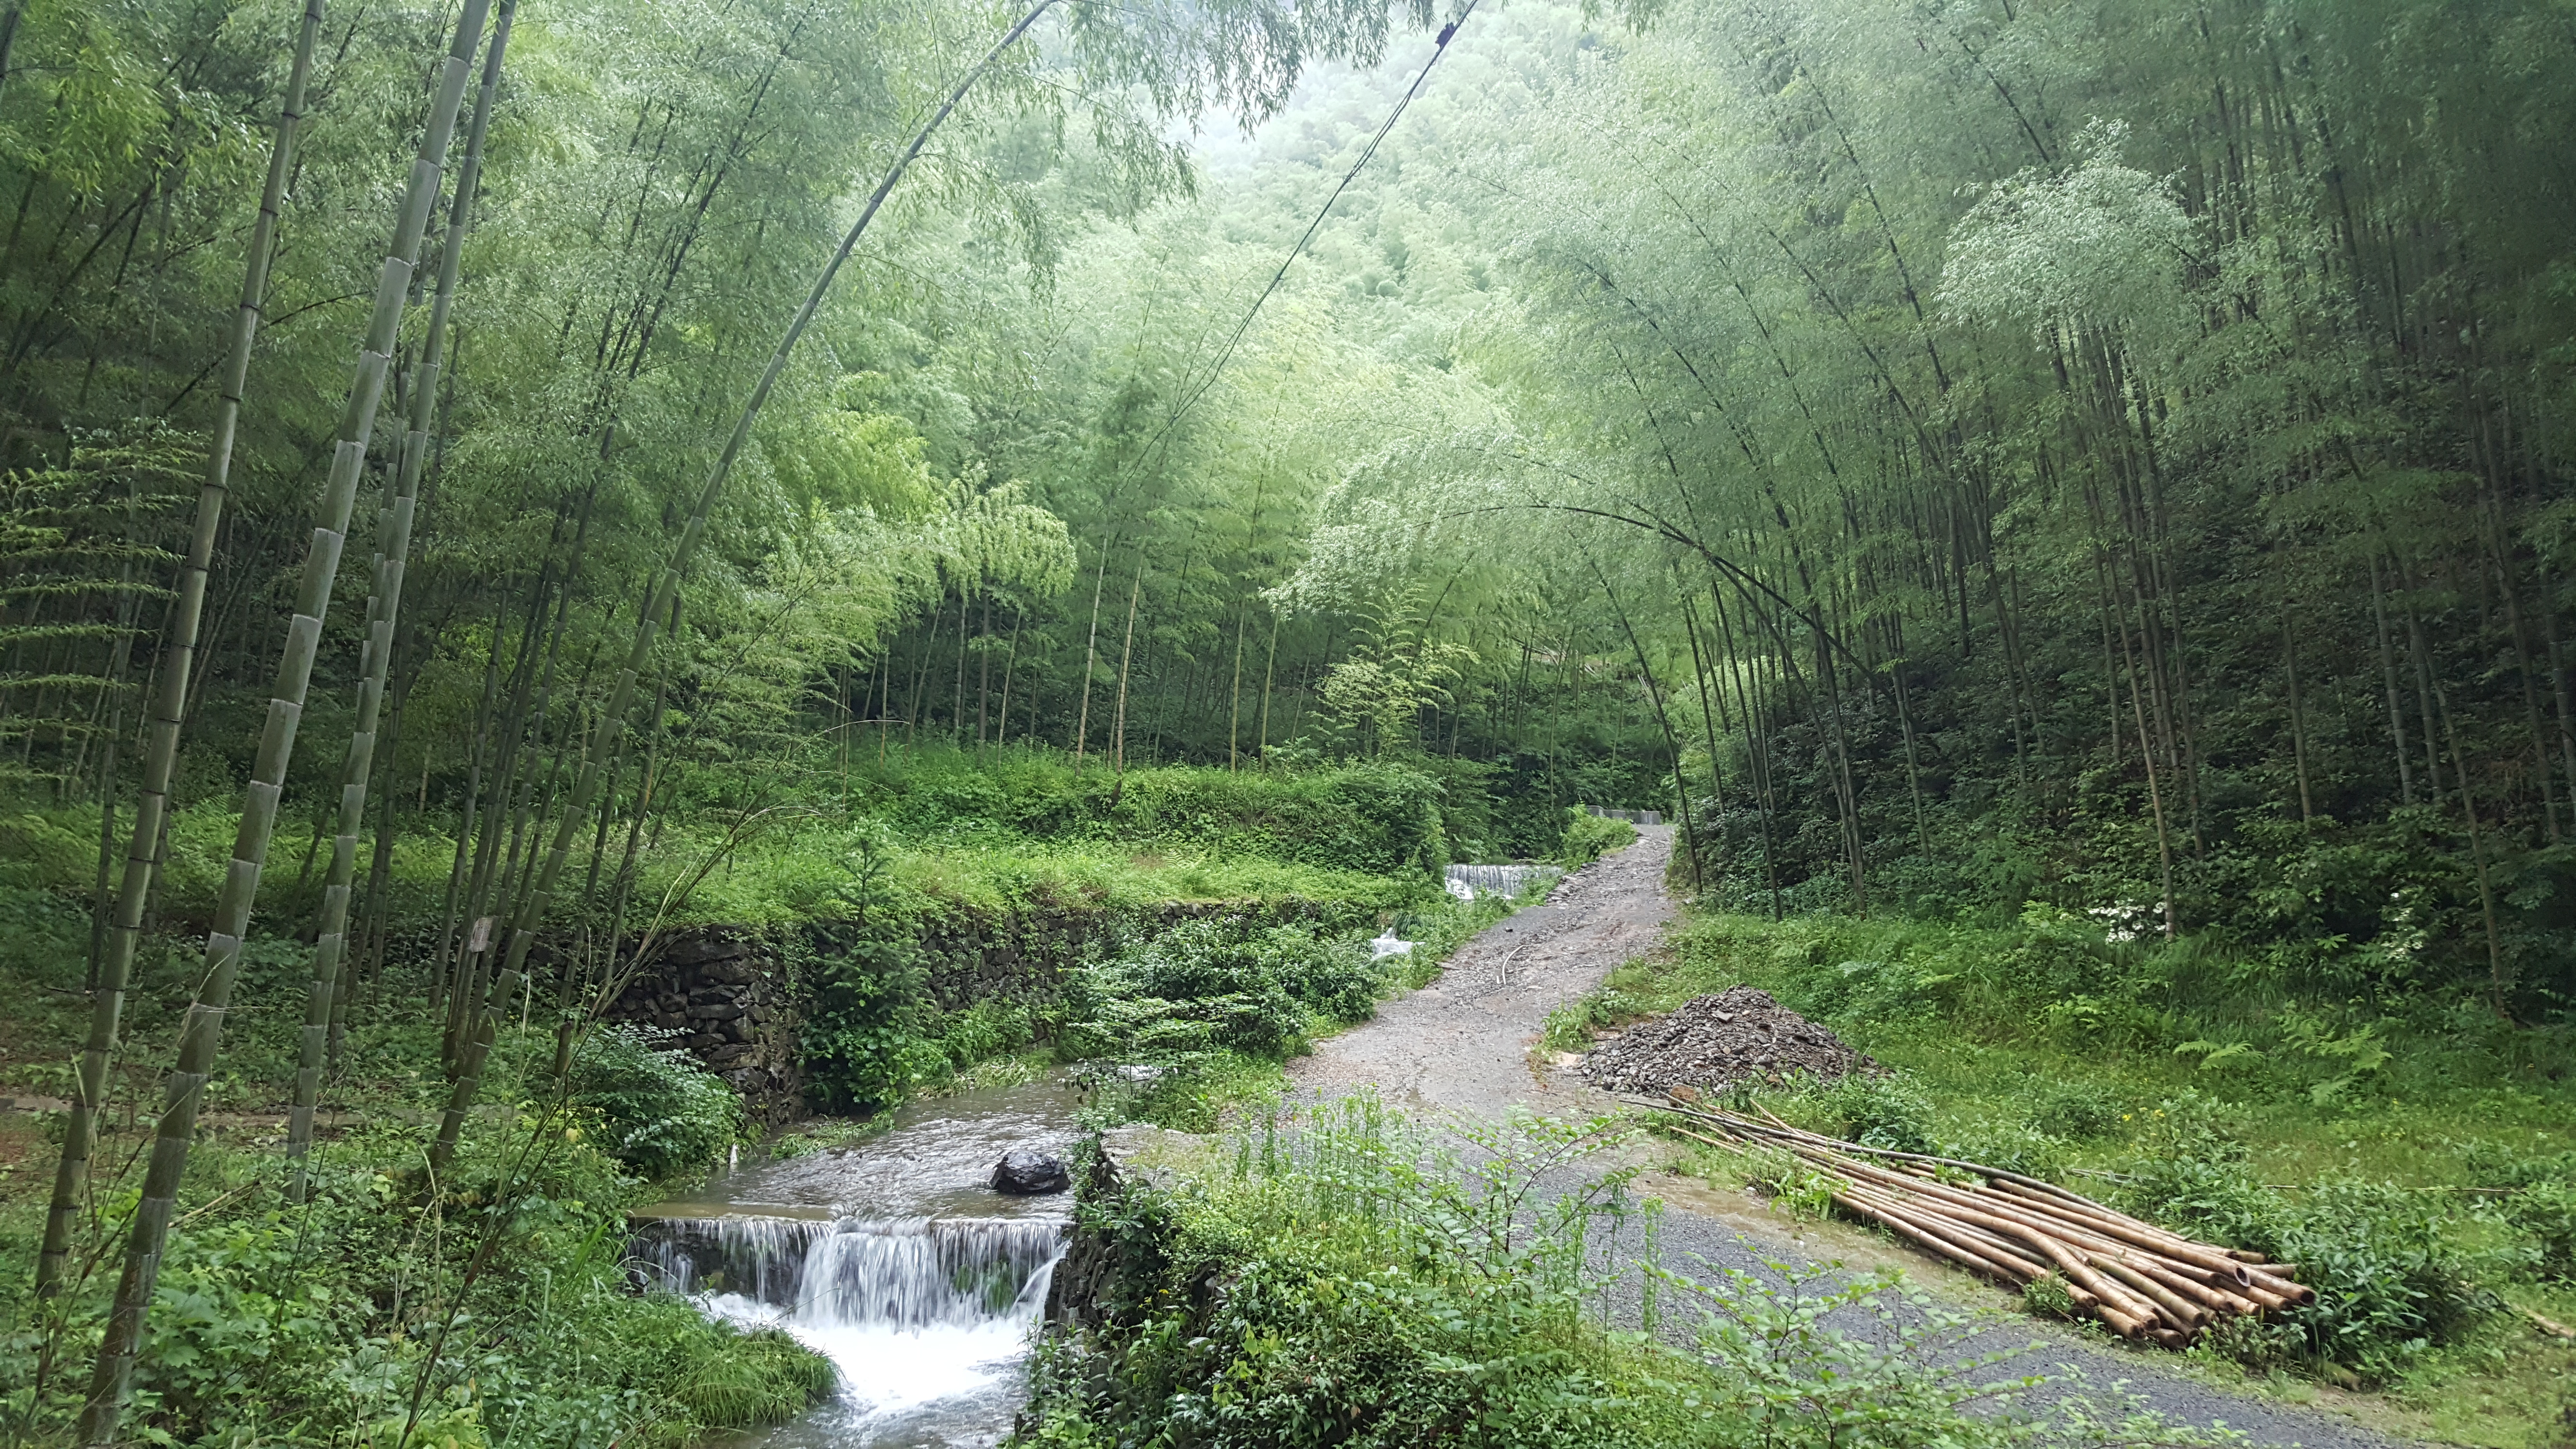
(178, 655)
(202, 1032)
(531, 911)
(384, 607)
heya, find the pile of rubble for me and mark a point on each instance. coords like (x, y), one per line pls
(1713, 1042)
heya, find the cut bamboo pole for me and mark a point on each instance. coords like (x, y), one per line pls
(2142, 1280)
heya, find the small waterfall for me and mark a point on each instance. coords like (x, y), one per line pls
(1507, 881)
(914, 1312)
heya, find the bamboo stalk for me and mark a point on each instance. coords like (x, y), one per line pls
(384, 607)
(2189, 1315)
(201, 1035)
(1933, 1233)
(178, 655)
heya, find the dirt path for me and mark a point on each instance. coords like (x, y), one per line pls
(1464, 1043)
(1467, 1045)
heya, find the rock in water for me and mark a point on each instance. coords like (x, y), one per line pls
(1029, 1173)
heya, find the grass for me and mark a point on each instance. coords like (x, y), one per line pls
(2082, 1052)
(1387, 1283)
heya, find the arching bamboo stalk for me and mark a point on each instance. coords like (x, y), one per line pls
(612, 718)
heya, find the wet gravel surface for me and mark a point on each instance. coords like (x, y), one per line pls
(1467, 1046)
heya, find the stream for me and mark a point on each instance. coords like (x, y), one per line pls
(893, 1258)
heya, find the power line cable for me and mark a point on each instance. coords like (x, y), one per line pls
(1440, 48)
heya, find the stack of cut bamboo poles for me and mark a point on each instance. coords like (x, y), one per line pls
(2141, 1280)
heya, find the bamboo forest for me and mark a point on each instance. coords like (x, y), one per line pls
(1209, 724)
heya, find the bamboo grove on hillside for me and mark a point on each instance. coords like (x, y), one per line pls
(1950, 457)
(1977, 463)
(2156, 459)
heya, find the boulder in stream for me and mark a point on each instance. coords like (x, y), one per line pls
(1028, 1173)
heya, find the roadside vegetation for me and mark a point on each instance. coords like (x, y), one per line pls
(1349, 1277)
(2413, 1155)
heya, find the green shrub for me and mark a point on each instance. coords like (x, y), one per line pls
(2546, 1212)
(2389, 1284)
(983, 1031)
(1589, 837)
(1218, 986)
(2076, 1109)
(1878, 1109)
(499, 1306)
(2012, 1146)
(862, 994)
(1375, 1289)
(657, 1110)
(1570, 1027)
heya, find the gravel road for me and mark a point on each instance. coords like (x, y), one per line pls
(1467, 1046)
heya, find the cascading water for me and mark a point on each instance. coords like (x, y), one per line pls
(927, 1314)
(890, 1258)
(1507, 881)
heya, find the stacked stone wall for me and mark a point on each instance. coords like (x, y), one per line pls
(731, 992)
(727, 990)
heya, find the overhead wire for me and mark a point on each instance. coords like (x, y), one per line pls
(1440, 48)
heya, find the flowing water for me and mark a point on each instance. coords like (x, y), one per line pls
(891, 1257)
(1500, 880)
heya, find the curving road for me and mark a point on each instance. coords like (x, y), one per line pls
(1467, 1045)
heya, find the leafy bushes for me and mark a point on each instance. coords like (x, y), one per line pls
(1209, 986)
(2389, 1284)
(2546, 1212)
(1372, 1292)
(498, 1304)
(1588, 837)
(1879, 1110)
(2077, 1109)
(657, 1110)
(860, 1033)
(2539, 1202)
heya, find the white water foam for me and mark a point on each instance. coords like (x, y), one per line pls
(926, 1320)
(1499, 880)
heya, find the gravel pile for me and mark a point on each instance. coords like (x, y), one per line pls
(1716, 1041)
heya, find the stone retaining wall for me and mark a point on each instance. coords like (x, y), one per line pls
(730, 988)
(726, 988)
